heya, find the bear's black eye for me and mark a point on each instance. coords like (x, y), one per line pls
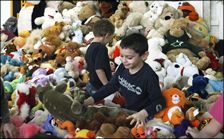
(176, 66)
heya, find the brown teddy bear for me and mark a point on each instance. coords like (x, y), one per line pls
(87, 11)
(177, 39)
(99, 118)
(49, 46)
(108, 130)
(67, 49)
(120, 14)
(166, 18)
(88, 25)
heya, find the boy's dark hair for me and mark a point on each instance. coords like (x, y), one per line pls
(103, 27)
(136, 42)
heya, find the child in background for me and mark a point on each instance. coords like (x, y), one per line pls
(97, 59)
(137, 81)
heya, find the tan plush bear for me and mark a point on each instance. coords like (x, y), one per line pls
(177, 39)
(87, 11)
(120, 14)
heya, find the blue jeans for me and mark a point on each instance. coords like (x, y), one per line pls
(90, 89)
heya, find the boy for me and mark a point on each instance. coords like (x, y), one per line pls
(137, 81)
(97, 56)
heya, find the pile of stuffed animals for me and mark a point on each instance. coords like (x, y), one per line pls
(44, 70)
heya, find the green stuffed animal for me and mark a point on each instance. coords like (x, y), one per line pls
(65, 107)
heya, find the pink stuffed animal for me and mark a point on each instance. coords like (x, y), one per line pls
(25, 130)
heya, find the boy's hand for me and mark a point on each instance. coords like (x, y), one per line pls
(89, 101)
(138, 117)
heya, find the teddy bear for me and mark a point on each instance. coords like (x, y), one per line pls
(56, 29)
(66, 5)
(109, 130)
(199, 84)
(149, 17)
(87, 11)
(139, 6)
(132, 20)
(99, 118)
(155, 50)
(71, 68)
(175, 100)
(120, 14)
(164, 21)
(67, 49)
(159, 70)
(49, 46)
(177, 39)
(34, 37)
(87, 26)
(51, 16)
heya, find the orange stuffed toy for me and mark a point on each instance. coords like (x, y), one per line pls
(175, 99)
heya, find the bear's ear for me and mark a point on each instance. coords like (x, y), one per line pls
(195, 75)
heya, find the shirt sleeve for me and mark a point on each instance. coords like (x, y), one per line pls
(111, 87)
(216, 110)
(155, 97)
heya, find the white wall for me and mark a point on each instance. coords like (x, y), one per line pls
(5, 11)
(216, 28)
(217, 19)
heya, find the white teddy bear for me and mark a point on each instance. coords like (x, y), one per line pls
(149, 17)
(160, 71)
(70, 68)
(155, 51)
(51, 16)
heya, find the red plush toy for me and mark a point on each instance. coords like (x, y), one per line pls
(189, 11)
(25, 99)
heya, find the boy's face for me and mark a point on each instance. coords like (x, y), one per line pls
(130, 58)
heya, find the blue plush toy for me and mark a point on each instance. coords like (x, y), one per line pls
(50, 127)
(180, 130)
(9, 76)
(199, 84)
